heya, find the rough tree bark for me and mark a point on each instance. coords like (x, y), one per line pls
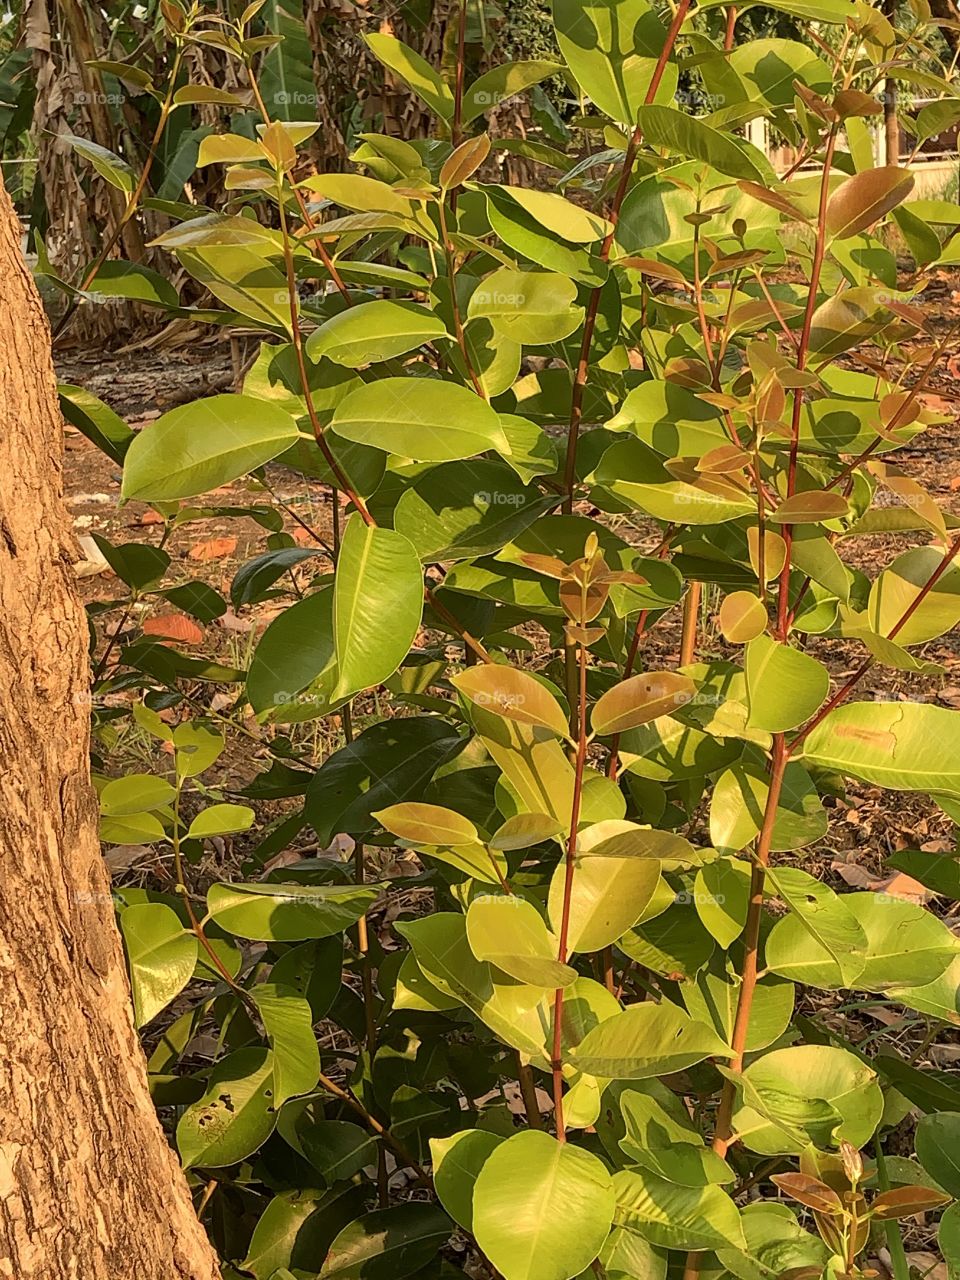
(89, 1188)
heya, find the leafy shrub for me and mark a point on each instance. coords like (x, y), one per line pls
(555, 417)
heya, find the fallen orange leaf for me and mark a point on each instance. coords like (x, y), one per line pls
(214, 549)
(173, 626)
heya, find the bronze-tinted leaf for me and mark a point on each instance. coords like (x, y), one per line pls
(862, 200)
(775, 199)
(809, 1191)
(464, 161)
(904, 1202)
(640, 699)
(811, 507)
(512, 694)
(743, 617)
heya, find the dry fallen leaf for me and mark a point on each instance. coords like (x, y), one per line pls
(214, 549)
(173, 626)
(928, 1265)
(855, 876)
(898, 885)
(230, 622)
(903, 886)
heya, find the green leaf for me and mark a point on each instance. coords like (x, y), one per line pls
(229, 148)
(896, 591)
(414, 71)
(843, 321)
(285, 78)
(558, 215)
(740, 799)
(807, 1094)
(616, 838)
(948, 1237)
(531, 307)
(234, 1117)
(288, 1022)
(541, 1208)
(612, 49)
(502, 83)
(196, 748)
(689, 137)
(511, 934)
(457, 1162)
(714, 995)
(427, 824)
(136, 793)
(525, 829)
(423, 419)
(676, 1217)
(636, 475)
(646, 1040)
(137, 828)
(907, 946)
(376, 331)
(203, 445)
(295, 653)
(608, 895)
(377, 605)
(354, 191)
(722, 896)
(338, 1149)
(466, 509)
(821, 941)
(296, 1228)
(658, 1140)
(198, 599)
(671, 940)
(162, 955)
(939, 999)
(938, 872)
(627, 1256)
(96, 421)
(221, 820)
(938, 1148)
(768, 68)
(784, 686)
(288, 912)
(387, 1243)
(532, 234)
(252, 581)
(118, 279)
(905, 746)
(109, 166)
(390, 762)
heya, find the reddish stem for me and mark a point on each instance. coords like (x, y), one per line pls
(557, 1056)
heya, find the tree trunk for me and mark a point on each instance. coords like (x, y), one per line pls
(89, 1188)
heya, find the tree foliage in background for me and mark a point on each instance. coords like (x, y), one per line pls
(593, 1017)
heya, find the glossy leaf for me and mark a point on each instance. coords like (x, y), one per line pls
(162, 955)
(541, 1209)
(377, 605)
(644, 1041)
(425, 420)
(203, 445)
(287, 912)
